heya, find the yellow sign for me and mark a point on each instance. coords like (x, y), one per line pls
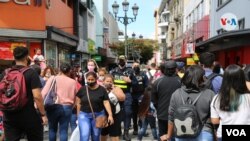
(195, 57)
(190, 61)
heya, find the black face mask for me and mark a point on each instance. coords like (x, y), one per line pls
(108, 86)
(122, 63)
(137, 70)
(91, 84)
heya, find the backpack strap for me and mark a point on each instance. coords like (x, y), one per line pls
(212, 76)
(196, 99)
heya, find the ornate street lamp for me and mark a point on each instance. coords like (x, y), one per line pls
(125, 20)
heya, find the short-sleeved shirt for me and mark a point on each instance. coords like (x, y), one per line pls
(32, 82)
(240, 117)
(97, 96)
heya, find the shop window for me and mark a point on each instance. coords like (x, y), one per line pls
(51, 54)
(241, 24)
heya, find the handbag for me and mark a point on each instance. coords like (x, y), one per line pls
(51, 97)
(100, 121)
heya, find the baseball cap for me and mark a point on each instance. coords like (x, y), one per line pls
(122, 57)
(170, 64)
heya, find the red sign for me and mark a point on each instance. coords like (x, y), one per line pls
(6, 49)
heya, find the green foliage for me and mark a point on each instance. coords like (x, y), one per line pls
(146, 47)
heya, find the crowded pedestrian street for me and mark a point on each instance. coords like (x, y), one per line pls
(124, 70)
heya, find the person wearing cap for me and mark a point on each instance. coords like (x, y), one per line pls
(116, 96)
(162, 90)
(122, 78)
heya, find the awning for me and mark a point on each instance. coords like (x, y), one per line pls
(61, 36)
(225, 41)
(4, 32)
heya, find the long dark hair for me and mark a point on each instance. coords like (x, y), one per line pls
(233, 85)
(193, 77)
(145, 103)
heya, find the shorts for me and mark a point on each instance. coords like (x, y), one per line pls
(115, 129)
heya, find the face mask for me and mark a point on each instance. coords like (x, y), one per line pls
(48, 74)
(91, 84)
(122, 63)
(91, 68)
(101, 78)
(137, 70)
(108, 86)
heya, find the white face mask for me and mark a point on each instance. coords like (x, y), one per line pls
(101, 78)
(48, 74)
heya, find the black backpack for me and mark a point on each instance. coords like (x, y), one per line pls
(208, 81)
(187, 123)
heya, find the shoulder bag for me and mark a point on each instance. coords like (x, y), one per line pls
(100, 121)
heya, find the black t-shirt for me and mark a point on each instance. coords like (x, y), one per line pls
(28, 113)
(97, 96)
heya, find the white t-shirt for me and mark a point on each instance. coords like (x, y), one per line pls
(240, 117)
(152, 72)
(40, 57)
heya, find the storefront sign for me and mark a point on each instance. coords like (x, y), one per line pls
(6, 49)
(228, 21)
(190, 61)
(25, 2)
(190, 48)
(195, 57)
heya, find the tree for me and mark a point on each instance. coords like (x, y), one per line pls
(143, 48)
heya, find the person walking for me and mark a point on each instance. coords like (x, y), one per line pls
(26, 121)
(193, 93)
(138, 85)
(99, 99)
(162, 90)
(116, 96)
(207, 60)
(147, 115)
(122, 75)
(232, 105)
(60, 112)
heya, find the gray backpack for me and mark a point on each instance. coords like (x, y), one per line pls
(187, 123)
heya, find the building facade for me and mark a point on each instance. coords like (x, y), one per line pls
(230, 47)
(48, 25)
(163, 26)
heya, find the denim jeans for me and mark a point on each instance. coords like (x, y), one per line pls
(73, 122)
(59, 114)
(152, 122)
(204, 136)
(127, 111)
(87, 126)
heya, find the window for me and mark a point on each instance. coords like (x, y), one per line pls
(241, 24)
(220, 31)
(221, 3)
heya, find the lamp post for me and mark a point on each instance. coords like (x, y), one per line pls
(125, 20)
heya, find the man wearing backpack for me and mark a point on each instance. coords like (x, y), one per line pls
(214, 80)
(22, 118)
(162, 90)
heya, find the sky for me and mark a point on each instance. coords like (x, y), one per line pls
(145, 22)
